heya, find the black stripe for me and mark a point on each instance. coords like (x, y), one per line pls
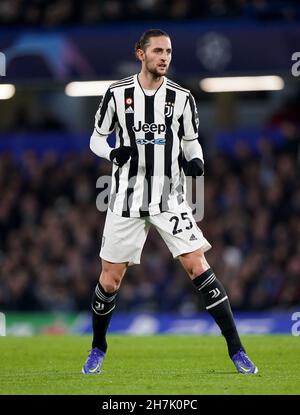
(104, 106)
(149, 157)
(186, 101)
(125, 79)
(181, 132)
(181, 128)
(121, 81)
(194, 115)
(117, 172)
(172, 83)
(133, 167)
(123, 86)
(179, 188)
(170, 99)
(178, 87)
(113, 122)
(127, 84)
(114, 194)
(118, 121)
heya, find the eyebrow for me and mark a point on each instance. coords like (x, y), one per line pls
(158, 48)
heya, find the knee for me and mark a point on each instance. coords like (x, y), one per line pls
(197, 269)
(110, 279)
(195, 263)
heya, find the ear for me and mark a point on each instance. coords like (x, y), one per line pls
(140, 54)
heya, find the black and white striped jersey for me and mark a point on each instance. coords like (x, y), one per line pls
(152, 181)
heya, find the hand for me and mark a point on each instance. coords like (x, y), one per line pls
(194, 168)
(121, 155)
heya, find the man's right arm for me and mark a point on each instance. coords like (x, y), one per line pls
(105, 120)
(104, 125)
(100, 146)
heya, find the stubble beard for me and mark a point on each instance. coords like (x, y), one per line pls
(155, 74)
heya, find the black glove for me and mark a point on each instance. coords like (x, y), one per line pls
(121, 155)
(194, 168)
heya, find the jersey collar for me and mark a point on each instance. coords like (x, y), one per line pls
(158, 91)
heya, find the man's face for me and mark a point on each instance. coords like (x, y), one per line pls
(157, 56)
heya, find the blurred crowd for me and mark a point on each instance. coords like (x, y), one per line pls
(50, 233)
(65, 12)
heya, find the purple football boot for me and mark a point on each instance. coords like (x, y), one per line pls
(94, 362)
(243, 364)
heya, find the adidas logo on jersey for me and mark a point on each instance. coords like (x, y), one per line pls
(193, 237)
(129, 110)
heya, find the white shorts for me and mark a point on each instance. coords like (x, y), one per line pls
(124, 238)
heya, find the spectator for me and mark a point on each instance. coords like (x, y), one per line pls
(65, 12)
(49, 228)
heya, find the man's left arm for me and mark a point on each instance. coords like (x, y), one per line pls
(191, 147)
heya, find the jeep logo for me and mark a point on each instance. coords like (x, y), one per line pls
(149, 128)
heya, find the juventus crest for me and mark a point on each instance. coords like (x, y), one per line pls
(169, 109)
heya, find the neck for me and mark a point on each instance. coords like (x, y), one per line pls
(149, 81)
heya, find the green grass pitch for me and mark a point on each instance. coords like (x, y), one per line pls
(164, 365)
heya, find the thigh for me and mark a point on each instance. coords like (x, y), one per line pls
(123, 238)
(180, 231)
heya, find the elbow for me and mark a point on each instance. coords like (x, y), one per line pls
(99, 147)
(93, 145)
